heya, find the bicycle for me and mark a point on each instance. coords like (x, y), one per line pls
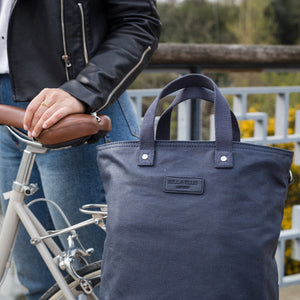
(70, 131)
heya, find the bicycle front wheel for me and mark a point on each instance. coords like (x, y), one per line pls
(91, 272)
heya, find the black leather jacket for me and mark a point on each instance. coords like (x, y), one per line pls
(93, 49)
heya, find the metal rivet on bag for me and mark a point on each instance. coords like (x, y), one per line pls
(223, 158)
(145, 156)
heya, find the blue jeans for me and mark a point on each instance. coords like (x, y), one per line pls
(70, 177)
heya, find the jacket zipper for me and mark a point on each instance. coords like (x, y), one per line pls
(65, 56)
(13, 4)
(124, 79)
(83, 33)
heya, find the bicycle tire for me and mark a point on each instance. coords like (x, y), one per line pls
(91, 271)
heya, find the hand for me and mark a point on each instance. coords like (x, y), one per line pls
(47, 108)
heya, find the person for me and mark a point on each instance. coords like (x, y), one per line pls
(58, 58)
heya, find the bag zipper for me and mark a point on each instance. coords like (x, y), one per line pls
(65, 56)
(83, 33)
(125, 78)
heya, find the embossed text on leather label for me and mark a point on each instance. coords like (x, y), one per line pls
(184, 185)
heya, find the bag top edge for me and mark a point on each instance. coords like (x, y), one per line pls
(204, 144)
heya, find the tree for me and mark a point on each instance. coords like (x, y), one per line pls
(286, 14)
(254, 25)
(196, 21)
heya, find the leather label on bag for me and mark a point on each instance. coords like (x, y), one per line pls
(184, 185)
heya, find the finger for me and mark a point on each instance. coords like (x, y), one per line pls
(40, 115)
(49, 118)
(66, 105)
(32, 108)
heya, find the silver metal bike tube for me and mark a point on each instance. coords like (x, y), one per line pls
(11, 220)
(44, 252)
(25, 167)
(53, 247)
(7, 236)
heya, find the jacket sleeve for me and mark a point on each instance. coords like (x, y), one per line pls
(132, 37)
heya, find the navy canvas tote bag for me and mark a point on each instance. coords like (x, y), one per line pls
(192, 220)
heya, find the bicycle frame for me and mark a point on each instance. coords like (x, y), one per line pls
(18, 211)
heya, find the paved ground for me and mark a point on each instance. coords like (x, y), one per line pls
(290, 293)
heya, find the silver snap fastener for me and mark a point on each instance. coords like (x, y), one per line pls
(145, 156)
(223, 158)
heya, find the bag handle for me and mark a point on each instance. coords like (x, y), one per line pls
(163, 126)
(223, 127)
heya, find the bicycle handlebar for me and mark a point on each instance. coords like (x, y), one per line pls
(72, 130)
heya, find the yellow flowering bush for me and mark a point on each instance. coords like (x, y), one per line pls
(293, 197)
